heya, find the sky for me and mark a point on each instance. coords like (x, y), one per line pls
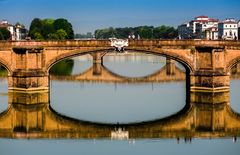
(89, 15)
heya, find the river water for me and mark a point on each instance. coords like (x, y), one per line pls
(127, 88)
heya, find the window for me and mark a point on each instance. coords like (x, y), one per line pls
(230, 25)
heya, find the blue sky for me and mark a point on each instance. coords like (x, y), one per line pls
(88, 15)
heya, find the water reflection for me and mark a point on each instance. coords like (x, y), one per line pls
(30, 116)
(99, 73)
(101, 95)
(174, 113)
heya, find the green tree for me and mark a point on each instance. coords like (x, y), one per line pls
(53, 36)
(47, 28)
(38, 36)
(35, 27)
(65, 25)
(50, 29)
(106, 33)
(62, 34)
(4, 34)
(146, 32)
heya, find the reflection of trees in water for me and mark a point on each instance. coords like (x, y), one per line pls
(3, 71)
(64, 67)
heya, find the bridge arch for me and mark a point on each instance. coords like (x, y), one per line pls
(72, 54)
(182, 60)
(6, 65)
(186, 63)
(232, 63)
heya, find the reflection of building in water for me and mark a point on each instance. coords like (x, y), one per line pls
(208, 115)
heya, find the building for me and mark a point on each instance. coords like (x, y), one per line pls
(18, 31)
(21, 32)
(228, 29)
(211, 33)
(9, 27)
(183, 31)
(202, 27)
(206, 28)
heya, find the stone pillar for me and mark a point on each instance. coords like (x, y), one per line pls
(28, 111)
(210, 74)
(97, 68)
(31, 80)
(28, 74)
(170, 66)
(24, 98)
(210, 110)
(97, 57)
(97, 62)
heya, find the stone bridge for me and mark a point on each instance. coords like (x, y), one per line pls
(208, 63)
(31, 116)
(99, 73)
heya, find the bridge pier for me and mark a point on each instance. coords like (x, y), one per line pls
(210, 110)
(98, 57)
(170, 66)
(33, 80)
(97, 69)
(28, 118)
(28, 74)
(210, 74)
(97, 62)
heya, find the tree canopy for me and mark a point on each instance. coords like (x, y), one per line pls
(4, 34)
(143, 32)
(50, 29)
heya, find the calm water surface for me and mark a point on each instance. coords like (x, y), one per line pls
(110, 102)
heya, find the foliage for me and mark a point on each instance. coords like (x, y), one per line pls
(144, 32)
(62, 68)
(4, 34)
(50, 29)
(65, 25)
(3, 71)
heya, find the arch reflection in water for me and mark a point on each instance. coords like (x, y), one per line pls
(99, 73)
(131, 96)
(207, 115)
